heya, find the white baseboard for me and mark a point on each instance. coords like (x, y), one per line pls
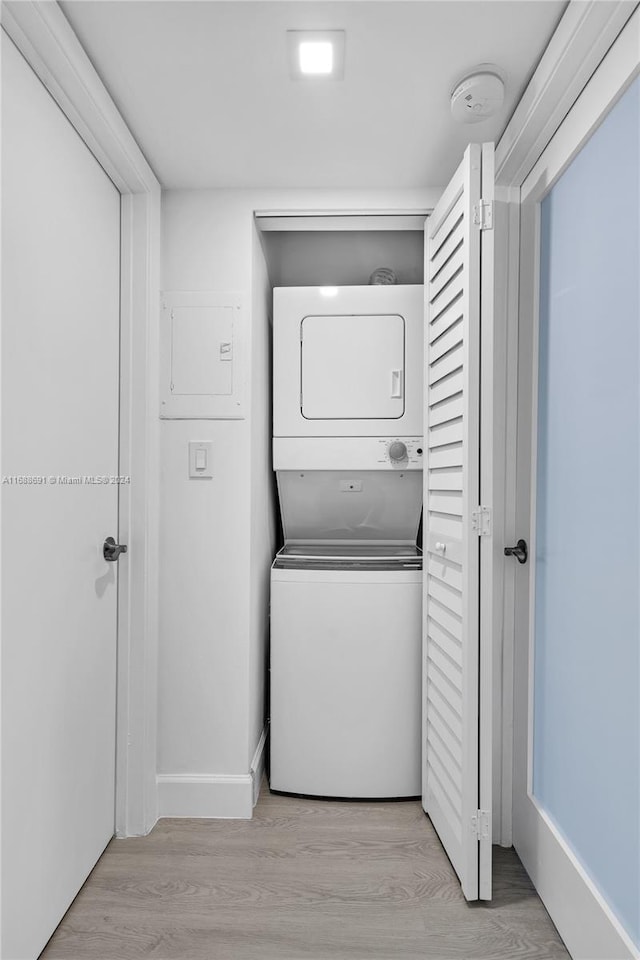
(584, 919)
(257, 764)
(213, 796)
(203, 795)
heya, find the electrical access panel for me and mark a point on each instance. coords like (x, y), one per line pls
(202, 356)
(347, 361)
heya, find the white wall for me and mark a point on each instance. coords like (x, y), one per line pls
(217, 536)
(204, 528)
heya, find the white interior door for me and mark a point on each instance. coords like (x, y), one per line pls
(457, 637)
(60, 354)
(576, 791)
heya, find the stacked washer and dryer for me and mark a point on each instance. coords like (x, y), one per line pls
(346, 587)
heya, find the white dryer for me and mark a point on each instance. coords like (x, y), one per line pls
(346, 589)
(347, 361)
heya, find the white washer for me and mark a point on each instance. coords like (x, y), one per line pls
(345, 671)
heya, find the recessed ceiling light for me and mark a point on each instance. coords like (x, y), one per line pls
(316, 54)
(316, 57)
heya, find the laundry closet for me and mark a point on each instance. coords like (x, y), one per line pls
(346, 586)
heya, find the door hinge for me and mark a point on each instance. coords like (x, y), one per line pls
(481, 521)
(480, 824)
(483, 214)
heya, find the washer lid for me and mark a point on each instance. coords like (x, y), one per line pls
(339, 505)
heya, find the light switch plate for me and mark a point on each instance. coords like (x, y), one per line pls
(200, 459)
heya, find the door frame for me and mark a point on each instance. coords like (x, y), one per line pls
(583, 917)
(48, 43)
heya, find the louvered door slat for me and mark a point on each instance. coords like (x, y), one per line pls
(445, 433)
(451, 269)
(449, 502)
(454, 239)
(446, 456)
(449, 478)
(447, 642)
(449, 597)
(446, 387)
(449, 340)
(445, 570)
(444, 711)
(449, 409)
(445, 365)
(446, 296)
(438, 731)
(444, 617)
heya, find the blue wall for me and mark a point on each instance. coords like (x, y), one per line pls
(587, 626)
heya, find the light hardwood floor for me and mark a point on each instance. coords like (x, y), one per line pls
(303, 880)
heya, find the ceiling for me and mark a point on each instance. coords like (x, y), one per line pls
(205, 89)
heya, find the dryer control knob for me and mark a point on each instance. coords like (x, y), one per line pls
(397, 451)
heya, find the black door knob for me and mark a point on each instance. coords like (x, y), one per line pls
(112, 550)
(520, 551)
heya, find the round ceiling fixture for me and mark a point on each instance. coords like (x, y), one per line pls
(479, 95)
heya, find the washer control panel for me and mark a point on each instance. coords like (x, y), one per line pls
(401, 451)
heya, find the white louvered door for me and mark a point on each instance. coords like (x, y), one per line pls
(456, 711)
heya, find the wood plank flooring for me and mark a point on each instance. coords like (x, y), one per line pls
(303, 880)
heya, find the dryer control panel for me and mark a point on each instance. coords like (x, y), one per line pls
(349, 453)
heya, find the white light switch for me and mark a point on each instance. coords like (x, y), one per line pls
(200, 460)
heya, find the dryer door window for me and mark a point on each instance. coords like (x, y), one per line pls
(352, 367)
